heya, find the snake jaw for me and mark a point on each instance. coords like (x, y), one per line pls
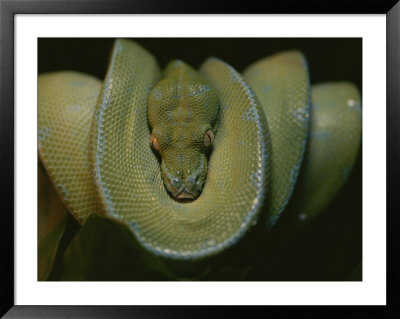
(185, 195)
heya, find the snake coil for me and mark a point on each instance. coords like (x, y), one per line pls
(93, 140)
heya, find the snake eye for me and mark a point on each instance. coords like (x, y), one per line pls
(208, 138)
(154, 143)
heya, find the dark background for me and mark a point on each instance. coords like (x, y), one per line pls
(327, 248)
(330, 59)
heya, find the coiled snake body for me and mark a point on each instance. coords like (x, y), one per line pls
(94, 143)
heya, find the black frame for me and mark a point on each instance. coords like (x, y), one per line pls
(7, 11)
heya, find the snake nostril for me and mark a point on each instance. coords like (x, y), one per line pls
(193, 183)
(176, 182)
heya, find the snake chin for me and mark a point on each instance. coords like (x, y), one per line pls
(184, 200)
(184, 195)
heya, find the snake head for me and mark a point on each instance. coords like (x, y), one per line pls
(182, 112)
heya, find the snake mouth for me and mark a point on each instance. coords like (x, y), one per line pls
(185, 195)
(184, 198)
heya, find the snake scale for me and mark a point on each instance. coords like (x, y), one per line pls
(229, 145)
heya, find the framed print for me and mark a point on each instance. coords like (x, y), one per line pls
(238, 160)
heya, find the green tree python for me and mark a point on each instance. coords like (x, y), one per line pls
(191, 160)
